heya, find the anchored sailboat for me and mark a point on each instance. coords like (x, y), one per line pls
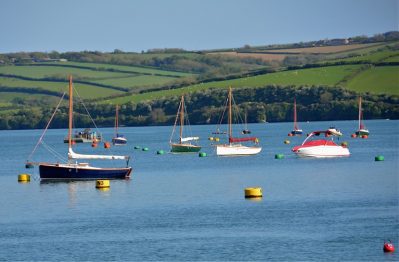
(184, 144)
(362, 130)
(246, 131)
(296, 131)
(118, 139)
(72, 170)
(234, 147)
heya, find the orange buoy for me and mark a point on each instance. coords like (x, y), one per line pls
(290, 134)
(365, 136)
(107, 145)
(93, 144)
(389, 247)
(353, 135)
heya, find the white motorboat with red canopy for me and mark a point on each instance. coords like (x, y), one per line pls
(314, 146)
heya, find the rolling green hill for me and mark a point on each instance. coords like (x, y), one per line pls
(378, 80)
(38, 79)
(325, 76)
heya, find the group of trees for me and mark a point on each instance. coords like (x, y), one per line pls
(269, 103)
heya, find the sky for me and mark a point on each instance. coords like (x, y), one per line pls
(139, 25)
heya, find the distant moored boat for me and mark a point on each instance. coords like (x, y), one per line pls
(362, 130)
(118, 139)
(184, 144)
(296, 131)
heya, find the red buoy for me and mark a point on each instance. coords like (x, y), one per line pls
(93, 144)
(290, 134)
(365, 136)
(353, 135)
(389, 247)
(107, 145)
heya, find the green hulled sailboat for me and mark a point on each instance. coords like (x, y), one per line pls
(184, 144)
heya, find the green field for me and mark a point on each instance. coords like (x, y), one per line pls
(5, 97)
(5, 104)
(372, 57)
(392, 59)
(362, 51)
(136, 78)
(157, 55)
(381, 79)
(38, 72)
(327, 76)
(85, 91)
(137, 81)
(132, 69)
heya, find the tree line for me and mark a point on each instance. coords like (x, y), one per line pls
(270, 103)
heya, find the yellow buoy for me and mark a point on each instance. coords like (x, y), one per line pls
(23, 178)
(286, 141)
(102, 184)
(217, 139)
(251, 192)
(210, 138)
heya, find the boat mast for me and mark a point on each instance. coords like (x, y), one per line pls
(70, 112)
(116, 121)
(181, 117)
(295, 125)
(230, 116)
(360, 112)
(245, 119)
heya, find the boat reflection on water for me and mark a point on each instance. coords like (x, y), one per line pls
(76, 188)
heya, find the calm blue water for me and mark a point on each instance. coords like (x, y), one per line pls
(182, 207)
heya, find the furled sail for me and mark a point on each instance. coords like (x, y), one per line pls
(191, 138)
(73, 155)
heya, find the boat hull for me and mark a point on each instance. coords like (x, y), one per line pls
(185, 148)
(362, 132)
(297, 132)
(81, 140)
(236, 150)
(322, 151)
(119, 141)
(76, 172)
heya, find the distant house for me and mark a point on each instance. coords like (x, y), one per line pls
(338, 41)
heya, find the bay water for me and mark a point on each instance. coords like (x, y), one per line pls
(185, 207)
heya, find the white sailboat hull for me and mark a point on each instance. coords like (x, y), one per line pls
(323, 151)
(236, 150)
